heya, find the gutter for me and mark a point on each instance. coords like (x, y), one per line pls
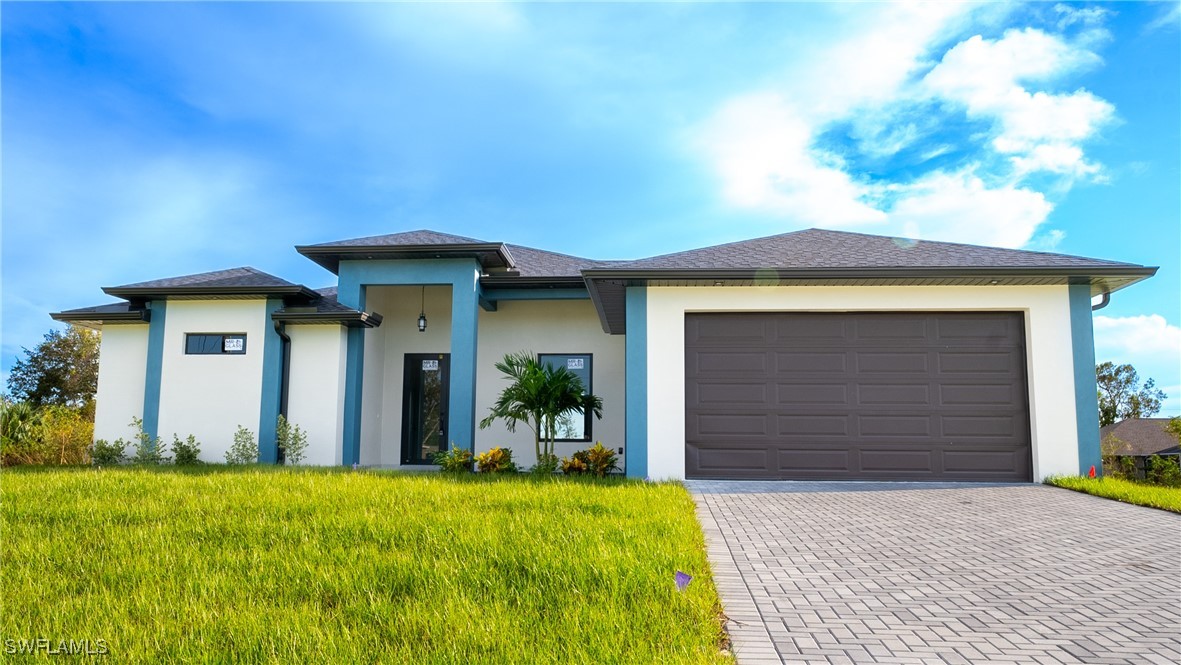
(1105, 300)
(285, 371)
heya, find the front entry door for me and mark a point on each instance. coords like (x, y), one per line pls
(425, 392)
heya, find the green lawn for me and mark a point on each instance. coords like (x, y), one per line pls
(1153, 496)
(292, 566)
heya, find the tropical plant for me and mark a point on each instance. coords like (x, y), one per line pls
(546, 465)
(538, 396)
(599, 460)
(454, 459)
(244, 449)
(1120, 395)
(574, 466)
(187, 452)
(20, 433)
(66, 436)
(496, 460)
(293, 441)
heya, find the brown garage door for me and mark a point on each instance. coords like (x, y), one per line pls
(867, 396)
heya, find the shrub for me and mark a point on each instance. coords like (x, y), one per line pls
(109, 454)
(1125, 467)
(293, 441)
(244, 449)
(148, 450)
(546, 465)
(1163, 471)
(187, 452)
(599, 460)
(496, 460)
(454, 459)
(574, 466)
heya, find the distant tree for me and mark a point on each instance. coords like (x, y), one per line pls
(62, 370)
(1121, 396)
(1174, 427)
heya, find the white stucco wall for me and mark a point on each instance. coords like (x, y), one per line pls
(122, 369)
(549, 326)
(385, 355)
(1048, 348)
(315, 389)
(210, 395)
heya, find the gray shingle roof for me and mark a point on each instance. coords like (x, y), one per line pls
(1141, 436)
(419, 237)
(533, 262)
(234, 277)
(817, 248)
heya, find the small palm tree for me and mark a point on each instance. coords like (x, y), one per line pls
(538, 396)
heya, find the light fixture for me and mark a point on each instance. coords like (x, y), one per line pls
(422, 312)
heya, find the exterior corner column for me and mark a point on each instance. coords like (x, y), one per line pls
(151, 412)
(636, 371)
(272, 382)
(1086, 401)
(351, 293)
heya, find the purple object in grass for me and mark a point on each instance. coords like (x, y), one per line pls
(356, 466)
(683, 580)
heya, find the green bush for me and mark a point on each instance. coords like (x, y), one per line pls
(575, 466)
(496, 460)
(187, 452)
(103, 453)
(454, 459)
(599, 460)
(244, 450)
(546, 465)
(293, 441)
(1164, 471)
(149, 450)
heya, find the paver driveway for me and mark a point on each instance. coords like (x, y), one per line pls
(941, 573)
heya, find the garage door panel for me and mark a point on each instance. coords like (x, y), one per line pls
(904, 396)
(789, 394)
(830, 362)
(797, 426)
(918, 462)
(896, 361)
(917, 394)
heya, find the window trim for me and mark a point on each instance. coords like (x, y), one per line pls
(222, 345)
(588, 434)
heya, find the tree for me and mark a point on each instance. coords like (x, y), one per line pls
(62, 370)
(539, 395)
(1121, 396)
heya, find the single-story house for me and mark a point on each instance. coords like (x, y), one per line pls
(808, 355)
(1140, 437)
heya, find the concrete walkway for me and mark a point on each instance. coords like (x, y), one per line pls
(941, 573)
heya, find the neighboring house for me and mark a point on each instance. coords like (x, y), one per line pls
(1140, 437)
(807, 355)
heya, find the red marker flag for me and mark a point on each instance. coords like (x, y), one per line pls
(1091, 473)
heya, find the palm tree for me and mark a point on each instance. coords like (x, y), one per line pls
(539, 394)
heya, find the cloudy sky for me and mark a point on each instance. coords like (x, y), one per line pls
(151, 140)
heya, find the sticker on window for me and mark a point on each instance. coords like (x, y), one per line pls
(430, 365)
(576, 363)
(234, 345)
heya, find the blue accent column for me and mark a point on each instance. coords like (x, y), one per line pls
(1082, 336)
(151, 415)
(636, 361)
(272, 382)
(350, 292)
(461, 422)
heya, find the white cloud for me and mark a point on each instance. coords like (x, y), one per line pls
(1087, 16)
(1141, 336)
(961, 207)
(1040, 130)
(761, 148)
(1170, 17)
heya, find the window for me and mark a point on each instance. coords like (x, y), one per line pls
(205, 344)
(573, 426)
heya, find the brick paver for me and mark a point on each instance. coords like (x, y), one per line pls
(941, 573)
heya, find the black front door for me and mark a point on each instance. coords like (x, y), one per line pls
(425, 392)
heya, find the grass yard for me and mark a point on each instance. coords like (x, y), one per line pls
(224, 565)
(1153, 496)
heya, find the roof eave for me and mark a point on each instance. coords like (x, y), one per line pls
(97, 319)
(329, 257)
(147, 293)
(351, 319)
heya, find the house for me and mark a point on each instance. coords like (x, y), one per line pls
(807, 355)
(1140, 437)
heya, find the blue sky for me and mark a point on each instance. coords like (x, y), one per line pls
(151, 140)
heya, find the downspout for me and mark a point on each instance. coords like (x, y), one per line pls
(284, 373)
(1105, 300)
